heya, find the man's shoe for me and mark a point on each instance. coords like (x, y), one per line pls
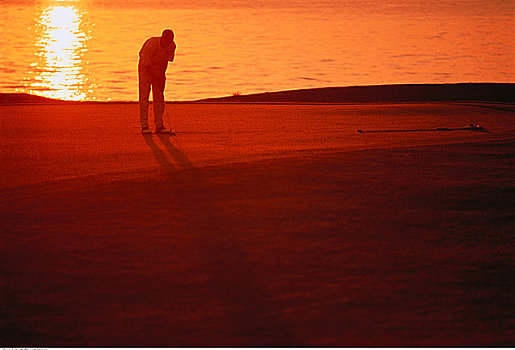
(146, 131)
(163, 130)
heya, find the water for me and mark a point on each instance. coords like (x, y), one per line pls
(88, 49)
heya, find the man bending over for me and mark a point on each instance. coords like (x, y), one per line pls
(153, 61)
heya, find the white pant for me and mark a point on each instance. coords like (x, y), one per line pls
(146, 80)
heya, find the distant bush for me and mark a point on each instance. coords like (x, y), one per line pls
(236, 93)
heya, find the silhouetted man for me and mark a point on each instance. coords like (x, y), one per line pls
(153, 61)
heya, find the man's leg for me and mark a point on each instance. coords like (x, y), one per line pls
(144, 92)
(158, 98)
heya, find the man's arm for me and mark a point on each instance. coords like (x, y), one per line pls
(171, 53)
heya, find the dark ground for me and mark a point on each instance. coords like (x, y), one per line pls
(408, 246)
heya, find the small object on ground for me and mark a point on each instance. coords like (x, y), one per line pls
(146, 131)
(470, 127)
(474, 127)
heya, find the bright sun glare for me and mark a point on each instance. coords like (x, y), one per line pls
(60, 46)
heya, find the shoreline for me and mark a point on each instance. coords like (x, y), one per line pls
(395, 93)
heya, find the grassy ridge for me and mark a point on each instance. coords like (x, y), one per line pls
(484, 92)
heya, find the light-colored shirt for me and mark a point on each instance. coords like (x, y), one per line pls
(152, 53)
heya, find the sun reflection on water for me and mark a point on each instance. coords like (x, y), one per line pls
(58, 70)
